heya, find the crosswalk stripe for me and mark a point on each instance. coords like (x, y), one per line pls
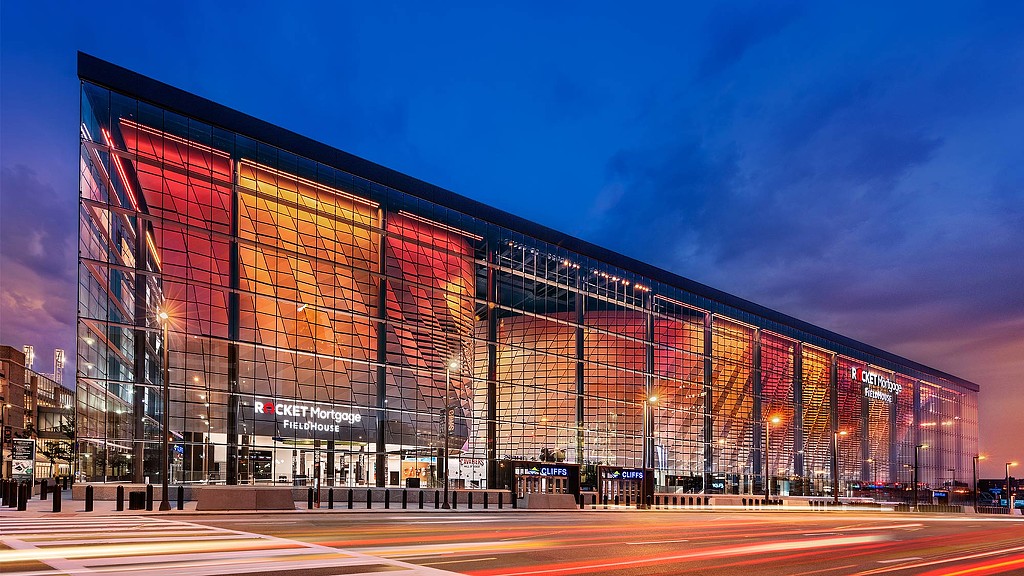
(164, 547)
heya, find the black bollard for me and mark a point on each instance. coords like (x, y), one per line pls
(149, 497)
(67, 482)
(405, 499)
(485, 500)
(309, 498)
(387, 498)
(455, 500)
(181, 497)
(369, 498)
(120, 499)
(437, 499)
(44, 486)
(330, 498)
(501, 497)
(421, 499)
(3, 491)
(56, 498)
(24, 493)
(349, 498)
(469, 499)
(88, 498)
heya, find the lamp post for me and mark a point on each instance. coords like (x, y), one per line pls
(165, 452)
(1009, 497)
(974, 470)
(767, 450)
(917, 452)
(4, 406)
(647, 459)
(835, 465)
(453, 365)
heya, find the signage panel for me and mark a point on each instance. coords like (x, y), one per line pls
(286, 418)
(23, 458)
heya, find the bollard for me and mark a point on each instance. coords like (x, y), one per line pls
(405, 498)
(469, 498)
(67, 482)
(501, 496)
(24, 493)
(437, 499)
(387, 498)
(309, 498)
(149, 497)
(485, 500)
(181, 496)
(44, 486)
(616, 500)
(369, 498)
(330, 498)
(120, 499)
(455, 500)
(88, 498)
(421, 499)
(349, 498)
(56, 498)
(3, 491)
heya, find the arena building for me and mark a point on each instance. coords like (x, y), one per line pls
(331, 319)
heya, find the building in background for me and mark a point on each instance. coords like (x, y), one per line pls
(331, 318)
(34, 405)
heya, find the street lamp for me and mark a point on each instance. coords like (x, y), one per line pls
(767, 450)
(974, 469)
(165, 451)
(453, 365)
(835, 465)
(917, 451)
(4, 408)
(1009, 497)
(647, 459)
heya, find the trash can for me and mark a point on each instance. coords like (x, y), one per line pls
(137, 500)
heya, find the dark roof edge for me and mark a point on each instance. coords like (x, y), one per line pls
(114, 77)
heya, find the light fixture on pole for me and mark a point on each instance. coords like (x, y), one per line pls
(453, 365)
(767, 452)
(974, 469)
(4, 405)
(1009, 497)
(165, 452)
(647, 460)
(835, 465)
(917, 451)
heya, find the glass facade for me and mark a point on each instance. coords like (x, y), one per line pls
(324, 324)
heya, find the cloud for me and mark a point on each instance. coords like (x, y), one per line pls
(37, 265)
(734, 28)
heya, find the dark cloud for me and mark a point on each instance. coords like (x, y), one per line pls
(735, 27)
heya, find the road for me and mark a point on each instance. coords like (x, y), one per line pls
(515, 544)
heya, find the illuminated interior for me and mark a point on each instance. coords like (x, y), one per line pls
(322, 325)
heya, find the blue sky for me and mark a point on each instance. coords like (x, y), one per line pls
(858, 166)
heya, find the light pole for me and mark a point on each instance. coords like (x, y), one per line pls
(4, 405)
(165, 451)
(974, 469)
(1009, 497)
(917, 452)
(767, 450)
(648, 448)
(835, 465)
(453, 365)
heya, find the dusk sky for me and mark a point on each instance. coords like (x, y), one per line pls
(856, 165)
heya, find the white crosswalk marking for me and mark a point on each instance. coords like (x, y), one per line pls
(162, 547)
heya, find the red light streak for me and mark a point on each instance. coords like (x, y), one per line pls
(120, 170)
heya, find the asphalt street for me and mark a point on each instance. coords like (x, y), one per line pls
(515, 543)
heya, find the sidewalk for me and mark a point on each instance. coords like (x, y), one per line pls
(36, 508)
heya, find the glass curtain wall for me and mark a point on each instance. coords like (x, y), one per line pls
(321, 326)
